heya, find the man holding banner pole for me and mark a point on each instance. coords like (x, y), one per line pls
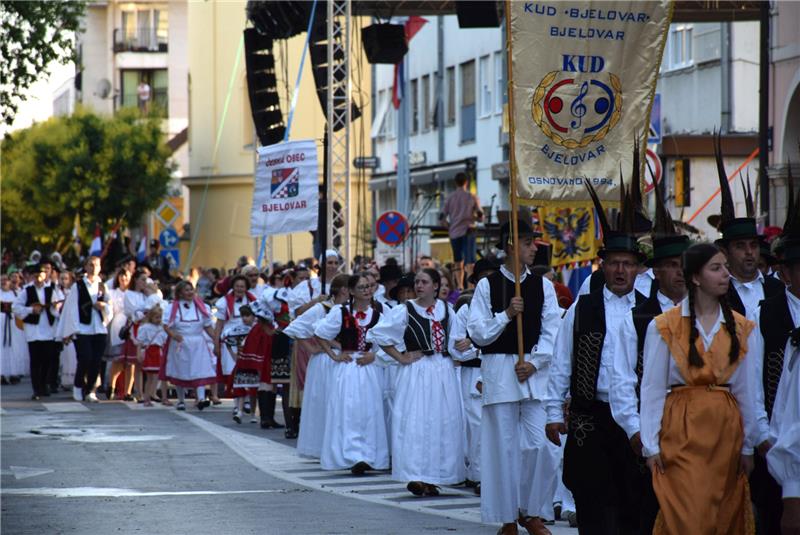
(513, 305)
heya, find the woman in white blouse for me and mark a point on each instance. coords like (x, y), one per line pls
(355, 428)
(697, 406)
(427, 425)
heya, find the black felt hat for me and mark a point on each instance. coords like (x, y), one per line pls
(406, 281)
(390, 272)
(484, 264)
(667, 241)
(524, 230)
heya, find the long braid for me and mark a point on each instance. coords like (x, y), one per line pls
(730, 326)
(694, 356)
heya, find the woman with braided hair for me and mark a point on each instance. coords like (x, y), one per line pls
(697, 409)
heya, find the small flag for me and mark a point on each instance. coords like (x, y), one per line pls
(96, 249)
(141, 253)
(413, 25)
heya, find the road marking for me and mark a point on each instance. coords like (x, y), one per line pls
(66, 406)
(103, 492)
(24, 472)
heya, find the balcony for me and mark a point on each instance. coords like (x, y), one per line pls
(139, 40)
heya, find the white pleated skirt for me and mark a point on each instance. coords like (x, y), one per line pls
(427, 423)
(315, 404)
(355, 429)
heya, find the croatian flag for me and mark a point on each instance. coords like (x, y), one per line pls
(413, 25)
(141, 253)
(96, 249)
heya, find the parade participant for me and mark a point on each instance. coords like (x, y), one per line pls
(427, 427)
(460, 212)
(355, 430)
(626, 372)
(84, 318)
(276, 297)
(68, 357)
(150, 339)
(308, 292)
(403, 290)
(141, 295)
(517, 467)
(233, 337)
(448, 290)
(51, 280)
(320, 368)
(598, 462)
(698, 398)
(227, 314)
(740, 244)
(18, 339)
(122, 349)
(253, 356)
(189, 361)
(784, 433)
(462, 350)
(776, 319)
(389, 275)
(8, 366)
(254, 280)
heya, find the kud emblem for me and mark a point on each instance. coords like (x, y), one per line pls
(578, 105)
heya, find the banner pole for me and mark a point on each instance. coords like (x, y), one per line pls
(512, 173)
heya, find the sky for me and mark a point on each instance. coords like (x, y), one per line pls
(39, 105)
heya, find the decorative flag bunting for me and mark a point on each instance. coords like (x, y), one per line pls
(96, 249)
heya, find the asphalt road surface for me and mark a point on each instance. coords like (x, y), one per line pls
(118, 468)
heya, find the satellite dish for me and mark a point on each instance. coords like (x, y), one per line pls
(103, 88)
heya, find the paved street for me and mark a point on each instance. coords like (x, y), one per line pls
(117, 467)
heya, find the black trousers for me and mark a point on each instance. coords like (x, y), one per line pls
(41, 355)
(89, 349)
(600, 470)
(53, 380)
(767, 497)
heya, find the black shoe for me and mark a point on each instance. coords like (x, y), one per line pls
(35, 397)
(203, 404)
(247, 407)
(3, 380)
(290, 433)
(477, 489)
(359, 468)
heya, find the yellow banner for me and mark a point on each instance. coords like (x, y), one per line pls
(572, 234)
(582, 76)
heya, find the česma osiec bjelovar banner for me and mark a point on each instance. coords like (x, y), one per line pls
(583, 76)
(286, 192)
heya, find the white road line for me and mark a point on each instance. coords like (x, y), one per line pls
(102, 492)
(66, 406)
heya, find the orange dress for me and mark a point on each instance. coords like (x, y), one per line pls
(702, 490)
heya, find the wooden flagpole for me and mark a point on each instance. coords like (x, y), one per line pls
(512, 173)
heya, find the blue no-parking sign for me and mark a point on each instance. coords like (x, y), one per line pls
(391, 228)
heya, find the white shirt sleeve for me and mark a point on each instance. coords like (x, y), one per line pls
(622, 394)
(560, 368)
(654, 389)
(542, 353)
(743, 388)
(222, 308)
(18, 308)
(329, 328)
(302, 327)
(484, 326)
(783, 458)
(755, 345)
(585, 286)
(390, 329)
(459, 332)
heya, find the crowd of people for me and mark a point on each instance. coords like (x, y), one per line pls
(664, 398)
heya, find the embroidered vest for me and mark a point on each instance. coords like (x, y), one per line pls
(419, 336)
(717, 369)
(32, 297)
(348, 334)
(500, 294)
(776, 324)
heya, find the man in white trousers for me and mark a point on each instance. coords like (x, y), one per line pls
(518, 469)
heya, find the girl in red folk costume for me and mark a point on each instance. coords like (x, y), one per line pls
(228, 317)
(355, 428)
(243, 381)
(189, 361)
(150, 339)
(253, 362)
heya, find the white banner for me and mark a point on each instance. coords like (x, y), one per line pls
(583, 75)
(286, 192)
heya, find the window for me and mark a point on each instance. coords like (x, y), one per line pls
(426, 103)
(414, 106)
(156, 96)
(486, 85)
(143, 30)
(467, 101)
(380, 124)
(679, 47)
(499, 81)
(450, 118)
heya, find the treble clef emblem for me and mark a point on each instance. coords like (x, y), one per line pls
(578, 108)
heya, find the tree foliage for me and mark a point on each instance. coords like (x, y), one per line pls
(96, 167)
(34, 34)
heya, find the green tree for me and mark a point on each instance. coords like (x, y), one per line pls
(34, 34)
(100, 168)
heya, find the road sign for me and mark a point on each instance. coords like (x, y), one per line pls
(391, 227)
(654, 135)
(166, 213)
(168, 238)
(173, 257)
(652, 167)
(367, 162)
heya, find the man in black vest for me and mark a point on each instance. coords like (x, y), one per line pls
(599, 465)
(777, 319)
(626, 377)
(518, 467)
(35, 305)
